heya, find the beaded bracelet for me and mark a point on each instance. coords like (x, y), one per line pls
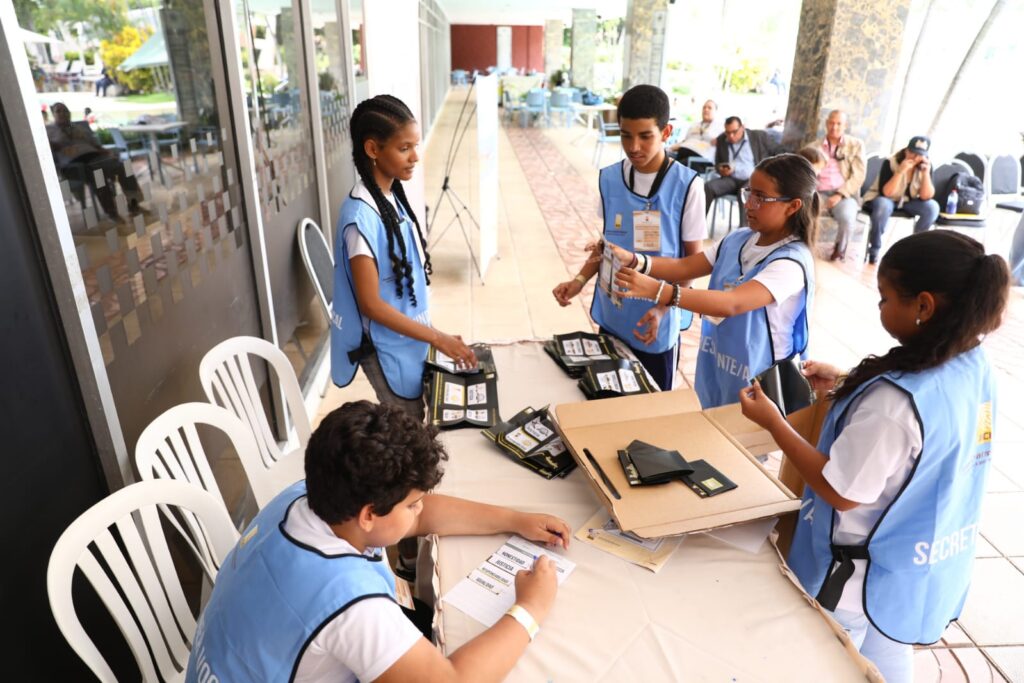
(677, 291)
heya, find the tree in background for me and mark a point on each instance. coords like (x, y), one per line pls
(119, 48)
(104, 17)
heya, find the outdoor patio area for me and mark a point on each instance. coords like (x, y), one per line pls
(547, 215)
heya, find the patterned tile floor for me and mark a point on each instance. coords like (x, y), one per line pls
(548, 213)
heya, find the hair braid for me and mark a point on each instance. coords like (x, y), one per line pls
(379, 118)
(399, 191)
(970, 289)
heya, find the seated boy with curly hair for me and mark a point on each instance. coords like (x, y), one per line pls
(307, 594)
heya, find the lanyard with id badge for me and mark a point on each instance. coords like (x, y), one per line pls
(647, 223)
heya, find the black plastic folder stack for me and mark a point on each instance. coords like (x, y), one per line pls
(484, 361)
(575, 351)
(613, 378)
(530, 439)
(461, 397)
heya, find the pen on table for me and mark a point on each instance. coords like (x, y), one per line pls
(604, 477)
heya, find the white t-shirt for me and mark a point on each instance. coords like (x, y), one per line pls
(354, 240)
(868, 464)
(365, 640)
(695, 224)
(783, 278)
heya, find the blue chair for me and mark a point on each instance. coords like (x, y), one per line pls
(537, 106)
(510, 106)
(126, 152)
(561, 102)
(606, 132)
(460, 77)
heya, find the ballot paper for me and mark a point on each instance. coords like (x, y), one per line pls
(603, 533)
(490, 589)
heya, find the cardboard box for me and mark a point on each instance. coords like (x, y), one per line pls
(674, 420)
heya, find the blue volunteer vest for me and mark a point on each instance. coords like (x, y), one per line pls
(618, 200)
(401, 358)
(740, 347)
(921, 551)
(272, 596)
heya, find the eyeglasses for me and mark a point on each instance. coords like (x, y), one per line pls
(755, 199)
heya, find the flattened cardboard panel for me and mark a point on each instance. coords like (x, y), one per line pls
(617, 409)
(666, 420)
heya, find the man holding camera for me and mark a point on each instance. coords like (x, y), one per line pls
(737, 152)
(904, 183)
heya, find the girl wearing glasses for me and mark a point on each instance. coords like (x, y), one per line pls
(762, 281)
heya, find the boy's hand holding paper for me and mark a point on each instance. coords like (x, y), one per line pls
(542, 528)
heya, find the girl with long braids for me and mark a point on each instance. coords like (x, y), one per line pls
(380, 316)
(762, 281)
(886, 534)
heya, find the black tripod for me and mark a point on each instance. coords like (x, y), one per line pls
(459, 206)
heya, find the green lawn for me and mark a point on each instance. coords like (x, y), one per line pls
(149, 98)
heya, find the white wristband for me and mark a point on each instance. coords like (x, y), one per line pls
(661, 288)
(519, 613)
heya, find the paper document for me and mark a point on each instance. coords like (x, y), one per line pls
(490, 589)
(602, 532)
(748, 537)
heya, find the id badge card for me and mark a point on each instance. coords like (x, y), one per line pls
(403, 593)
(647, 231)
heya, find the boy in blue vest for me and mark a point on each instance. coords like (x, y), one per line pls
(307, 594)
(650, 205)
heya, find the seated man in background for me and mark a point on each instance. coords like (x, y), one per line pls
(77, 154)
(700, 137)
(839, 182)
(904, 182)
(307, 593)
(737, 152)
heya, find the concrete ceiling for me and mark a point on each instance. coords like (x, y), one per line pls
(528, 12)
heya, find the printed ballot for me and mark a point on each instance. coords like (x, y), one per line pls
(462, 400)
(490, 589)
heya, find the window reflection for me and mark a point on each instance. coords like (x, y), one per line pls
(278, 118)
(135, 138)
(334, 103)
(359, 67)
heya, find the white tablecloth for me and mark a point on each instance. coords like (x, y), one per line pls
(713, 613)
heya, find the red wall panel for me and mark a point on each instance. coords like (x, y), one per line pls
(475, 46)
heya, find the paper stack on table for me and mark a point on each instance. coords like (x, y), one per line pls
(603, 533)
(490, 589)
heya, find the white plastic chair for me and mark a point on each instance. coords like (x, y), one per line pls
(139, 586)
(226, 375)
(319, 262)
(170, 448)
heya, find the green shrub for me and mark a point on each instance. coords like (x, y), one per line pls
(72, 55)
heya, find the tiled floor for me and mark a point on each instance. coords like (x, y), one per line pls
(547, 213)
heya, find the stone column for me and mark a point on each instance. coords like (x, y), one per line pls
(847, 57)
(584, 47)
(644, 45)
(553, 31)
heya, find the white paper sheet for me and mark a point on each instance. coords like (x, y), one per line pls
(749, 537)
(489, 590)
